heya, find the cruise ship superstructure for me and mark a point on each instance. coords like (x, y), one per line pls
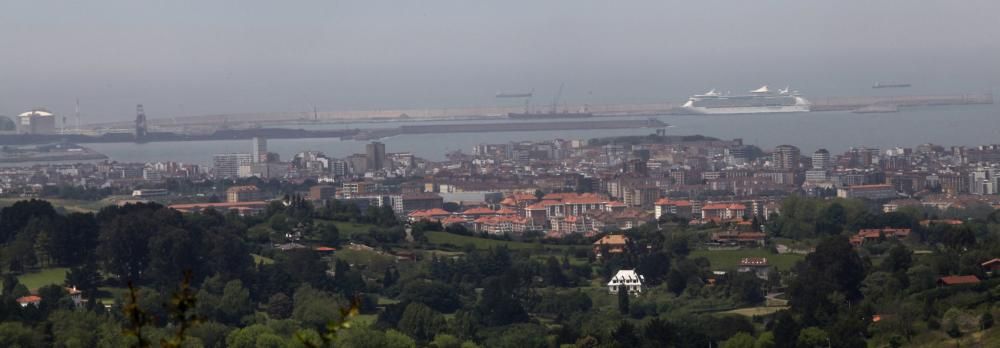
(758, 101)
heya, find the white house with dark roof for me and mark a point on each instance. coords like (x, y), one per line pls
(627, 279)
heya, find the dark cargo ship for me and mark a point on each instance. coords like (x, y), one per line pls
(890, 85)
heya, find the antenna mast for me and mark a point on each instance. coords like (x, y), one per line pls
(77, 113)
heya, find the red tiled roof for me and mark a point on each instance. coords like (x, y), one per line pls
(959, 280)
(479, 211)
(524, 196)
(490, 220)
(452, 220)
(29, 299)
(506, 211)
(429, 213)
(536, 206)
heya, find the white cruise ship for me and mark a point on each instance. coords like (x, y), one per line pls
(759, 101)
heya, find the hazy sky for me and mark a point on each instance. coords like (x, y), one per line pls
(205, 57)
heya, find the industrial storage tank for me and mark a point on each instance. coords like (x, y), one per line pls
(36, 121)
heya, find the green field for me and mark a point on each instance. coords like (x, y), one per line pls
(347, 229)
(752, 311)
(727, 259)
(73, 206)
(484, 243)
(45, 277)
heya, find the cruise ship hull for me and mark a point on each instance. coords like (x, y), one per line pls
(747, 110)
(801, 105)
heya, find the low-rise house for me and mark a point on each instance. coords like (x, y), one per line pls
(991, 266)
(500, 225)
(723, 211)
(628, 280)
(241, 208)
(76, 295)
(612, 244)
(434, 214)
(958, 280)
(758, 265)
(866, 235)
(739, 238)
(33, 300)
(475, 213)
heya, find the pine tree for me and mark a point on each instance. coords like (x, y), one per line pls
(623, 300)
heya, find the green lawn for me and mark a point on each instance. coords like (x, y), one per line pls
(752, 311)
(727, 259)
(484, 243)
(347, 229)
(47, 276)
(258, 259)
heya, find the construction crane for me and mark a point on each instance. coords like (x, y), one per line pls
(555, 102)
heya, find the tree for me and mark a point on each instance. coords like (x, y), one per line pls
(624, 335)
(367, 337)
(899, 259)
(765, 340)
(173, 251)
(235, 302)
(953, 330)
(746, 287)
(812, 337)
(658, 333)
(253, 336)
(554, 275)
(16, 216)
(518, 336)
(329, 234)
(831, 220)
(786, 330)
(740, 340)
(20, 254)
(676, 282)
(74, 328)
(421, 322)
(437, 295)
(654, 267)
(13, 334)
(211, 334)
(315, 308)
(74, 239)
(124, 246)
(390, 277)
(623, 299)
(445, 341)
(280, 306)
(986, 321)
(498, 305)
(834, 268)
(84, 277)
